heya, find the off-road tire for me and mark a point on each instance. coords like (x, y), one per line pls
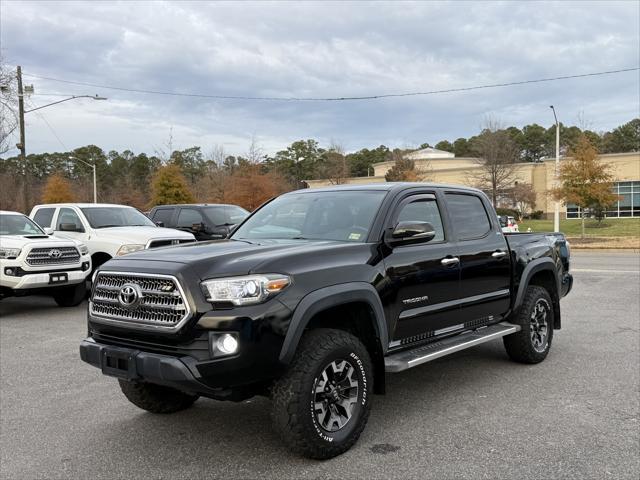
(520, 346)
(71, 296)
(156, 398)
(294, 416)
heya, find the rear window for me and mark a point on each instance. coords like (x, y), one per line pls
(469, 216)
(44, 216)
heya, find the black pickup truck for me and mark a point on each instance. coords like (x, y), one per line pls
(316, 296)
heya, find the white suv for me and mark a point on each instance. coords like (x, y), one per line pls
(108, 230)
(33, 262)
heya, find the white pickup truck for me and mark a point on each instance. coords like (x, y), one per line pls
(33, 262)
(108, 230)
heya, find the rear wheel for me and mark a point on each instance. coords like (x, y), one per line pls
(321, 405)
(70, 296)
(533, 342)
(156, 398)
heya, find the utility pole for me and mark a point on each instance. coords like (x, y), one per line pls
(556, 213)
(21, 146)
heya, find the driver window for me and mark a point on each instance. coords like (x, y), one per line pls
(424, 210)
(188, 216)
(68, 216)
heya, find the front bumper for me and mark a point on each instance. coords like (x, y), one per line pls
(135, 365)
(29, 279)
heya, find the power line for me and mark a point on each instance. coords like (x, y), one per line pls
(331, 99)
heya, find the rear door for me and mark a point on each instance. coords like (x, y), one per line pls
(188, 218)
(163, 217)
(485, 268)
(424, 278)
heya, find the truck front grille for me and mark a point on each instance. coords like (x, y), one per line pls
(141, 300)
(167, 242)
(53, 256)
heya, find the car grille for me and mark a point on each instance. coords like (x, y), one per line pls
(167, 242)
(159, 303)
(53, 256)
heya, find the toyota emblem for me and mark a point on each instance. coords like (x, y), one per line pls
(55, 253)
(129, 295)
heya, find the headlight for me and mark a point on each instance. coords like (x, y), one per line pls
(124, 249)
(9, 252)
(244, 290)
(84, 250)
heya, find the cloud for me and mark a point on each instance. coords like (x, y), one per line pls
(317, 49)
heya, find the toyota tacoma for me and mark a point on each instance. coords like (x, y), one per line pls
(316, 296)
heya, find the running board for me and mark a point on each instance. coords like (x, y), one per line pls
(406, 359)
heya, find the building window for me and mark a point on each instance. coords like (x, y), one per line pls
(628, 204)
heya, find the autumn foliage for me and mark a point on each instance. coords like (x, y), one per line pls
(58, 190)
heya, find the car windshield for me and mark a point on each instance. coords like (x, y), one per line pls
(344, 216)
(18, 225)
(103, 217)
(225, 214)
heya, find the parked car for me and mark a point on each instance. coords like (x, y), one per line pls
(33, 262)
(318, 294)
(204, 221)
(508, 224)
(108, 230)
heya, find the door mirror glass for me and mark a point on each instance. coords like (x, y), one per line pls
(406, 233)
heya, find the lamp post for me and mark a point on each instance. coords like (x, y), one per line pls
(93, 166)
(556, 213)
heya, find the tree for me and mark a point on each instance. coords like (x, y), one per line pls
(336, 166)
(444, 145)
(361, 162)
(497, 154)
(250, 187)
(403, 170)
(8, 106)
(461, 147)
(625, 138)
(533, 142)
(58, 190)
(585, 180)
(300, 161)
(169, 186)
(523, 196)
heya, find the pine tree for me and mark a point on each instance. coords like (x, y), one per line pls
(57, 190)
(169, 186)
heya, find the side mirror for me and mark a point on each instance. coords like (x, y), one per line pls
(197, 227)
(48, 230)
(407, 233)
(160, 224)
(70, 227)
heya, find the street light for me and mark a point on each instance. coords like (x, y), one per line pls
(73, 97)
(92, 165)
(556, 213)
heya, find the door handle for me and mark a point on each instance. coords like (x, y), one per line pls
(450, 261)
(498, 254)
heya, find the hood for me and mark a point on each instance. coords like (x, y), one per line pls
(233, 257)
(140, 235)
(21, 241)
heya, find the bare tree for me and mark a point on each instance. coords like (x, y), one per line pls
(164, 151)
(8, 106)
(336, 166)
(523, 196)
(255, 154)
(497, 154)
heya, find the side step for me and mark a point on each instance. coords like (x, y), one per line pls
(411, 358)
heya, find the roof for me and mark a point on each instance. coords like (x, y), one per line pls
(9, 212)
(197, 205)
(386, 186)
(82, 205)
(428, 153)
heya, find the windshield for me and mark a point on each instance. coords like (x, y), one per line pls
(18, 225)
(345, 216)
(225, 214)
(103, 217)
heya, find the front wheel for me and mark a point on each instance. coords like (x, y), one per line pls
(535, 317)
(70, 296)
(321, 405)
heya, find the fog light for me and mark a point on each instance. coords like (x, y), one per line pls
(85, 266)
(227, 344)
(10, 271)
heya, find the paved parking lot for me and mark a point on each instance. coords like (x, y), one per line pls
(473, 415)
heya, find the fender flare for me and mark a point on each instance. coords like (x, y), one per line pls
(328, 297)
(533, 267)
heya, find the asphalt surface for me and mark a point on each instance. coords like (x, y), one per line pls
(471, 415)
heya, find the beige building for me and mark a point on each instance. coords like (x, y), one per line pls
(445, 167)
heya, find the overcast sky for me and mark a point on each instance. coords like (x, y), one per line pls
(316, 50)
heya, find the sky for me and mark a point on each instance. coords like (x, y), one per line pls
(330, 49)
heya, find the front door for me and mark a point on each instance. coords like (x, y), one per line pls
(69, 224)
(485, 266)
(424, 278)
